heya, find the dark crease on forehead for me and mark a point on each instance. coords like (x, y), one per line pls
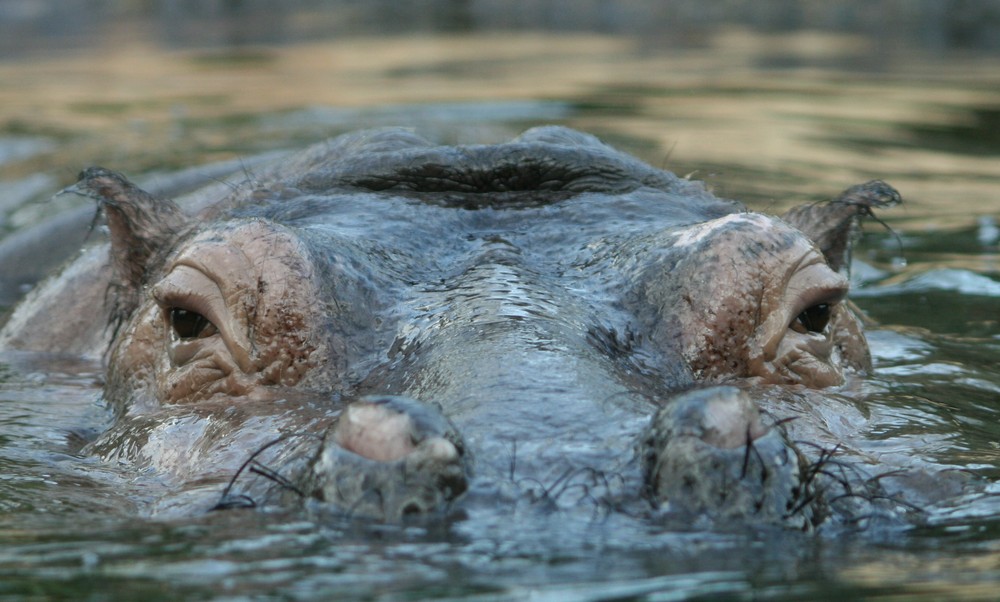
(509, 175)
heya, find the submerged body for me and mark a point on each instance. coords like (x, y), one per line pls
(398, 325)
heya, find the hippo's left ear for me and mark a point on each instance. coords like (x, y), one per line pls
(142, 228)
(832, 225)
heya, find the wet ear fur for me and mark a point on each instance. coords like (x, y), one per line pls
(142, 228)
(833, 225)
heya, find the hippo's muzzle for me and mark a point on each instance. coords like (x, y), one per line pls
(387, 457)
(710, 453)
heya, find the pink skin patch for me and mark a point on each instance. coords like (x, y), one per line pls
(695, 234)
(729, 423)
(375, 432)
(380, 433)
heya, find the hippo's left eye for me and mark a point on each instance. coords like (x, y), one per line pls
(813, 319)
(188, 324)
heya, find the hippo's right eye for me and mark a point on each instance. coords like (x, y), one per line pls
(814, 319)
(188, 324)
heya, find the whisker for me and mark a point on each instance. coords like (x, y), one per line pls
(273, 475)
(233, 502)
(252, 461)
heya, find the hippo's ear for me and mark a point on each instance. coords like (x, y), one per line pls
(142, 228)
(832, 225)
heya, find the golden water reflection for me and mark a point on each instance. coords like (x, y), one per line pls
(772, 137)
(910, 576)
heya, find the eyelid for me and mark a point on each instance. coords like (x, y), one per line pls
(829, 296)
(185, 288)
(188, 288)
(193, 302)
(814, 284)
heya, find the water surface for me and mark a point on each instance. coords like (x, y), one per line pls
(771, 115)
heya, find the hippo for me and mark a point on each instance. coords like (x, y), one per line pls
(381, 327)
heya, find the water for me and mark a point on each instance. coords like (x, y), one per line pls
(794, 107)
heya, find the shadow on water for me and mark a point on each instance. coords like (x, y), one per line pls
(43, 25)
(974, 132)
(774, 103)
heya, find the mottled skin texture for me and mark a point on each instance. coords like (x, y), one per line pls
(245, 282)
(777, 268)
(550, 294)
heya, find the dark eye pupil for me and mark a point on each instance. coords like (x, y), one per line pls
(188, 324)
(815, 318)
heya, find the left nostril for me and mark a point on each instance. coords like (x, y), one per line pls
(375, 431)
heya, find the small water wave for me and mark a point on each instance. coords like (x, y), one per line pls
(963, 282)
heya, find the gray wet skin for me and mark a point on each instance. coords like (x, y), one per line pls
(410, 327)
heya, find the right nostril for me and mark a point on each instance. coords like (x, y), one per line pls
(731, 421)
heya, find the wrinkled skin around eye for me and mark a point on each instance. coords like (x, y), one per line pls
(757, 300)
(199, 334)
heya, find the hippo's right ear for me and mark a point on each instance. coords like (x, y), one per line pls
(142, 228)
(832, 225)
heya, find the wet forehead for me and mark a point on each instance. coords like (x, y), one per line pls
(391, 221)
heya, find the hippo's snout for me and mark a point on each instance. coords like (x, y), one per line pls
(711, 454)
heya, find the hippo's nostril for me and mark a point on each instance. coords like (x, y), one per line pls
(375, 431)
(712, 454)
(388, 457)
(730, 421)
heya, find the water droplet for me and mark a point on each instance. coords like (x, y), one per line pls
(988, 233)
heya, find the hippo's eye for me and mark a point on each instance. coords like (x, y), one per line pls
(188, 324)
(813, 319)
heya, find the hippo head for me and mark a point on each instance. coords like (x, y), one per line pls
(479, 293)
